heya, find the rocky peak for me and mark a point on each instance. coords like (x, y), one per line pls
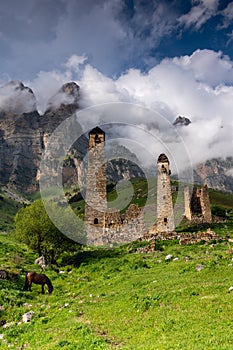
(18, 85)
(67, 95)
(71, 89)
(16, 98)
(180, 121)
(60, 107)
(216, 173)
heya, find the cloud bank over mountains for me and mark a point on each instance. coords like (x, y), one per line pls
(152, 54)
(197, 86)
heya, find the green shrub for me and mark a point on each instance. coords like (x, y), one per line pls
(34, 228)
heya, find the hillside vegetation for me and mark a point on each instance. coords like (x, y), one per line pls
(120, 299)
(175, 297)
(8, 209)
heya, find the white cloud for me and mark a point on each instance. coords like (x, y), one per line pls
(209, 67)
(17, 98)
(47, 84)
(75, 61)
(149, 24)
(113, 34)
(199, 14)
(180, 86)
(227, 14)
(96, 88)
(183, 86)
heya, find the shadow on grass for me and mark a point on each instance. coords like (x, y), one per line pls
(88, 257)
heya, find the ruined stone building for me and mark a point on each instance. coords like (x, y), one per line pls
(165, 215)
(96, 195)
(197, 204)
(105, 225)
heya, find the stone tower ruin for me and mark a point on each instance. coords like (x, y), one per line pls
(96, 195)
(197, 204)
(165, 214)
(103, 225)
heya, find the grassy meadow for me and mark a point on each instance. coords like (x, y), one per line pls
(120, 299)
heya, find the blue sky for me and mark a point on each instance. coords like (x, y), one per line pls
(40, 35)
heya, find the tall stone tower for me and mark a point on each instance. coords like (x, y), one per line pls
(165, 214)
(96, 197)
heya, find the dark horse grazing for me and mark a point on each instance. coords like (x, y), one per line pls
(33, 277)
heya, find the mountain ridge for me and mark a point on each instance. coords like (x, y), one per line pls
(24, 133)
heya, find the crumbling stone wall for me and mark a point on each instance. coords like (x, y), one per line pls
(197, 204)
(205, 204)
(123, 228)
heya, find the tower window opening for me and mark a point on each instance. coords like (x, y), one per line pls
(97, 139)
(96, 221)
(165, 220)
(164, 170)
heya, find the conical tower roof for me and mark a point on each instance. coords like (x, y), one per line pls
(96, 130)
(163, 158)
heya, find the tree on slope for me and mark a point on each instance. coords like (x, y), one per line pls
(34, 228)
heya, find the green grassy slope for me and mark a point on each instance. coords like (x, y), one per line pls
(221, 199)
(113, 299)
(119, 299)
(140, 190)
(8, 209)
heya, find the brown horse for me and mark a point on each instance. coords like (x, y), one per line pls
(33, 277)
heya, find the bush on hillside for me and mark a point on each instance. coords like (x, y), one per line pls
(34, 228)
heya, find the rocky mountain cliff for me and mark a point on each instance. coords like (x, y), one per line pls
(216, 173)
(20, 137)
(24, 134)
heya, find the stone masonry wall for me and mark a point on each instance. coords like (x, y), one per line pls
(109, 226)
(165, 215)
(197, 204)
(96, 197)
(123, 228)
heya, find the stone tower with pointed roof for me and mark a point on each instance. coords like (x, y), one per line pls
(103, 225)
(165, 214)
(96, 197)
